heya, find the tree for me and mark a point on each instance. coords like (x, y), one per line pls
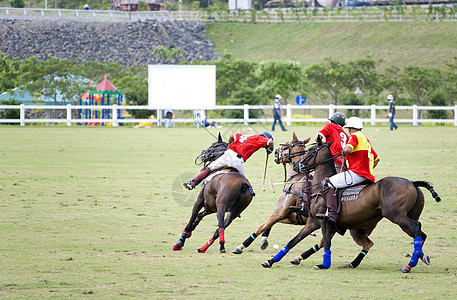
(17, 3)
(338, 79)
(281, 77)
(8, 75)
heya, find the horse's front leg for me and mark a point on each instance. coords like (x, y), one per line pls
(195, 218)
(328, 229)
(278, 214)
(307, 230)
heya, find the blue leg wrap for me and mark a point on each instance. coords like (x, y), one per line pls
(281, 254)
(327, 259)
(418, 246)
(413, 261)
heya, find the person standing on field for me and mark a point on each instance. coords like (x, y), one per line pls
(392, 112)
(277, 113)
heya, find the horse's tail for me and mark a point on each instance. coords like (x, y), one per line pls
(429, 187)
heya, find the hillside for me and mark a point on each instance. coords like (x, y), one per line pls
(400, 44)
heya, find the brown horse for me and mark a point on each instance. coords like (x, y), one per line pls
(289, 153)
(397, 199)
(227, 194)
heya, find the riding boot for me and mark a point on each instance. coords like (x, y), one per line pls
(300, 208)
(191, 184)
(332, 206)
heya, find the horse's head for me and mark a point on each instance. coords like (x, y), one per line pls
(212, 153)
(291, 151)
(318, 154)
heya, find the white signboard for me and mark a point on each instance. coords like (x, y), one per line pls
(182, 87)
(240, 4)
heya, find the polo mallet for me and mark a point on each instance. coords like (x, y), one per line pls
(265, 174)
(271, 185)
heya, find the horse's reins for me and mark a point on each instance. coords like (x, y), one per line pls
(289, 155)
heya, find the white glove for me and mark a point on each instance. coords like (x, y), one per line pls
(389, 114)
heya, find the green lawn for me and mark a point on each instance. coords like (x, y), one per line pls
(400, 44)
(94, 213)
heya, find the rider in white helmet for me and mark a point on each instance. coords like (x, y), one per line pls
(361, 159)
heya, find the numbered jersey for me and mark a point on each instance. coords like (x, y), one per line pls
(246, 144)
(335, 133)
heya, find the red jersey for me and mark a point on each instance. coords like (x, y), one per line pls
(247, 144)
(335, 133)
(362, 156)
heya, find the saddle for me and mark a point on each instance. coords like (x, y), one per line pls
(350, 193)
(220, 171)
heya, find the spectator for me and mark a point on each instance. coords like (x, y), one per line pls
(169, 117)
(392, 112)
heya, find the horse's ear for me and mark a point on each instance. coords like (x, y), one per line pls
(219, 137)
(319, 140)
(294, 137)
(305, 141)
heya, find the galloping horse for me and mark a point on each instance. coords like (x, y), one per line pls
(225, 192)
(291, 152)
(397, 199)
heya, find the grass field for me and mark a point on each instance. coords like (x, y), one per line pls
(400, 44)
(94, 213)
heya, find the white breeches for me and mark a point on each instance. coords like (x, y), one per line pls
(229, 159)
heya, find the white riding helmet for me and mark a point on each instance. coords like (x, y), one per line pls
(390, 97)
(278, 97)
(354, 122)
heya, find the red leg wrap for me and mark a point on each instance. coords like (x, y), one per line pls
(221, 235)
(204, 248)
(189, 233)
(176, 248)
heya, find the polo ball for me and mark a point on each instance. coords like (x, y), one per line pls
(276, 247)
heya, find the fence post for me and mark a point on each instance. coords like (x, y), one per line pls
(69, 115)
(414, 115)
(115, 123)
(331, 110)
(22, 114)
(289, 115)
(159, 118)
(373, 114)
(246, 114)
(455, 115)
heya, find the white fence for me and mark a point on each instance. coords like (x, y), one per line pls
(406, 14)
(70, 114)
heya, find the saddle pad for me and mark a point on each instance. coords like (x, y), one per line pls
(212, 175)
(351, 193)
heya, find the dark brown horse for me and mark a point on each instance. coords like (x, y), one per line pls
(397, 199)
(291, 153)
(227, 194)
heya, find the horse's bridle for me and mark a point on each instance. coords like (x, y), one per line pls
(281, 152)
(303, 166)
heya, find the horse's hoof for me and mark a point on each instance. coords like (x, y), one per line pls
(222, 251)
(266, 264)
(425, 259)
(176, 248)
(318, 267)
(264, 244)
(199, 250)
(296, 260)
(348, 266)
(406, 269)
(237, 250)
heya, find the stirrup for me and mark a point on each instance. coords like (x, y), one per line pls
(188, 185)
